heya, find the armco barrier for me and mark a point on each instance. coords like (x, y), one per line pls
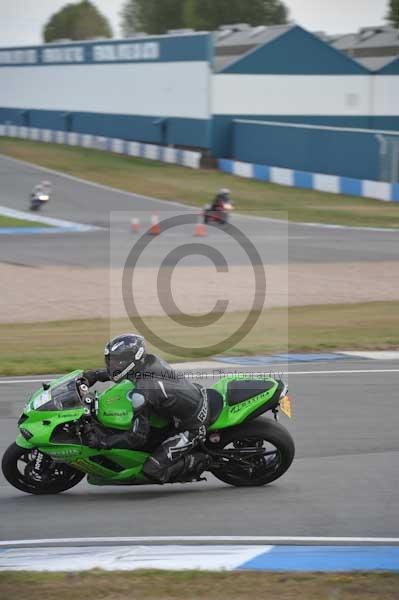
(380, 190)
(186, 158)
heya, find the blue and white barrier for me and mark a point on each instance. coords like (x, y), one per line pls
(185, 158)
(380, 190)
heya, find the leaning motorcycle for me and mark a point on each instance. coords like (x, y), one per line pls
(245, 447)
(38, 200)
(218, 217)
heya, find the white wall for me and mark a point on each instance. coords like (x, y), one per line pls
(386, 95)
(291, 95)
(174, 89)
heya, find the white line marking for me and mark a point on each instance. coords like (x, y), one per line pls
(220, 372)
(20, 214)
(186, 206)
(255, 539)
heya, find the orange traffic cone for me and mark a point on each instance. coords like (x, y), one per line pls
(154, 228)
(135, 225)
(200, 227)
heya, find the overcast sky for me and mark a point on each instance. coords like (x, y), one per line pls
(21, 21)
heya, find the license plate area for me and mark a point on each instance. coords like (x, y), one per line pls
(285, 406)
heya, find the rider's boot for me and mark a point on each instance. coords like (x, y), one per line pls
(190, 467)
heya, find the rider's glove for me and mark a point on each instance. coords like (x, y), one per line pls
(94, 437)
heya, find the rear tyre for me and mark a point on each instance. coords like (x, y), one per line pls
(260, 434)
(17, 467)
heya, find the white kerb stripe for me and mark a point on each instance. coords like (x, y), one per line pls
(326, 183)
(242, 169)
(282, 176)
(169, 155)
(133, 148)
(376, 189)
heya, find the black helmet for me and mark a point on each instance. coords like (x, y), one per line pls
(123, 354)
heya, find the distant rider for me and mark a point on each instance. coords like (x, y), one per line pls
(160, 390)
(221, 199)
(36, 191)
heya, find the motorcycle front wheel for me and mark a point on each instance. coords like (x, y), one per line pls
(20, 468)
(254, 454)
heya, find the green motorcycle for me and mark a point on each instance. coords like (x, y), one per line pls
(50, 455)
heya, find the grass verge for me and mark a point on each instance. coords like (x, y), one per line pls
(170, 182)
(7, 222)
(61, 346)
(198, 585)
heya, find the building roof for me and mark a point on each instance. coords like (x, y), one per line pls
(375, 63)
(280, 50)
(371, 47)
(234, 41)
(369, 41)
(248, 36)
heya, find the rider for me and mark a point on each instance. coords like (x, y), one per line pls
(160, 390)
(221, 198)
(37, 190)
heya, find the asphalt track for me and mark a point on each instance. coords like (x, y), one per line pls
(85, 203)
(344, 481)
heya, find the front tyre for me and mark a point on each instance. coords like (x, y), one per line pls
(267, 451)
(36, 473)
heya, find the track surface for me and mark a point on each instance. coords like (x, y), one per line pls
(85, 203)
(344, 481)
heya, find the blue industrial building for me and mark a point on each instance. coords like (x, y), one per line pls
(277, 96)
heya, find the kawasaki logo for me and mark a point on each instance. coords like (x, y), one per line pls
(115, 414)
(65, 452)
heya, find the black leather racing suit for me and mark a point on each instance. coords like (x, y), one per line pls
(160, 390)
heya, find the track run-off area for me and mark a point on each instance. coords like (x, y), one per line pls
(344, 481)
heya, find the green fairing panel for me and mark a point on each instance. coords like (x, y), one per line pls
(114, 407)
(41, 432)
(23, 443)
(237, 414)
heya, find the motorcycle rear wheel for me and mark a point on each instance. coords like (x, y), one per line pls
(64, 477)
(262, 433)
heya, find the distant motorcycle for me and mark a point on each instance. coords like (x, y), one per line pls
(40, 195)
(220, 216)
(38, 200)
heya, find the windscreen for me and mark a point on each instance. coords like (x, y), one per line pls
(61, 397)
(66, 396)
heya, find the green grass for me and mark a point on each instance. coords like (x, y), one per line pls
(11, 222)
(61, 346)
(198, 585)
(195, 188)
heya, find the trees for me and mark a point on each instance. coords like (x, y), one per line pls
(156, 17)
(81, 21)
(393, 14)
(152, 16)
(210, 14)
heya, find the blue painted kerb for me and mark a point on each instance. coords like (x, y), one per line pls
(326, 558)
